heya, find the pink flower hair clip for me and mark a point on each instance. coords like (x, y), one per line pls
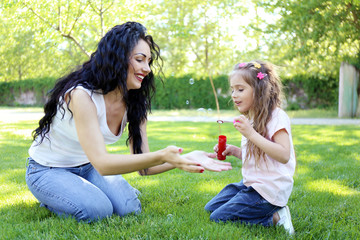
(261, 75)
(240, 65)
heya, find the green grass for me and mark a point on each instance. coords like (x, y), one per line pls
(22, 109)
(313, 113)
(324, 203)
(308, 113)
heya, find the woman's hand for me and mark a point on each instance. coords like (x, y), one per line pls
(171, 155)
(208, 163)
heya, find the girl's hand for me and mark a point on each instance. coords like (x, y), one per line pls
(171, 155)
(208, 163)
(230, 150)
(243, 125)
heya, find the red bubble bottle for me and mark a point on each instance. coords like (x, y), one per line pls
(221, 147)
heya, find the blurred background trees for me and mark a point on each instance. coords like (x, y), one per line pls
(200, 38)
(317, 35)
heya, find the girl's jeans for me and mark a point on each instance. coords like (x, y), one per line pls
(81, 192)
(236, 202)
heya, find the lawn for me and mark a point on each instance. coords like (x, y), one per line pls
(324, 203)
(307, 113)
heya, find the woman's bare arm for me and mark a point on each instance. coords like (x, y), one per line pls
(93, 144)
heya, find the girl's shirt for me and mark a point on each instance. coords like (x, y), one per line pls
(64, 149)
(271, 179)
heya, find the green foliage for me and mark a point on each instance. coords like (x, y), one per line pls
(188, 92)
(11, 91)
(306, 91)
(42, 38)
(195, 34)
(323, 205)
(175, 93)
(353, 60)
(316, 35)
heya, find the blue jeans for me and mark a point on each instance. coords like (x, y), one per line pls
(236, 202)
(81, 192)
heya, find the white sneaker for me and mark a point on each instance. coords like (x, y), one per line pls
(285, 220)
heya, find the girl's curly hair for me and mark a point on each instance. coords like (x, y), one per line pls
(267, 96)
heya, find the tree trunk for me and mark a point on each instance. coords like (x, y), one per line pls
(215, 94)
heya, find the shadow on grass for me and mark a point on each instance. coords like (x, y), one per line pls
(24, 212)
(326, 189)
(331, 156)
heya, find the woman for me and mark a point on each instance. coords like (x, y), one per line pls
(70, 171)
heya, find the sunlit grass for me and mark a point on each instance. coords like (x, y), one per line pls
(305, 113)
(324, 202)
(313, 113)
(332, 186)
(22, 109)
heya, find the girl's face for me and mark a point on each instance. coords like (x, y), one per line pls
(242, 93)
(140, 58)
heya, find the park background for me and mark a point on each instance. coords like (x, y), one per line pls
(200, 43)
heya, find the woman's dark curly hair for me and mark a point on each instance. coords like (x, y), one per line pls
(107, 70)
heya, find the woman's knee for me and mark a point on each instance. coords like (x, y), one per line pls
(123, 196)
(94, 210)
(131, 206)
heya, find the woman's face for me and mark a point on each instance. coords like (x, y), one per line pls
(140, 58)
(242, 93)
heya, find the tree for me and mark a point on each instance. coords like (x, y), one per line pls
(66, 16)
(319, 34)
(196, 37)
(23, 50)
(101, 10)
(46, 38)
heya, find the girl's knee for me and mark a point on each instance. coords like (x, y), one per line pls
(217, 218)
(212, 205)
(208, 207)
(222, 215)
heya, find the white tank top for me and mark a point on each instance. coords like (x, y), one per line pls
(64, 149)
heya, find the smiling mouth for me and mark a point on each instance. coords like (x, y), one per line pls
(139, 77)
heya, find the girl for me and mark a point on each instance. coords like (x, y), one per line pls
(70, 171)
(266, 151)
